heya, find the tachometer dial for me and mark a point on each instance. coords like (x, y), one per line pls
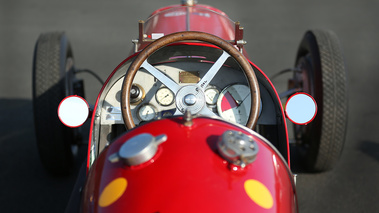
(147, 112)
(164, 96)
(211, 95)
(234, 103)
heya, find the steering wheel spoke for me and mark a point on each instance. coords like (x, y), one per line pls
(168, 82)
(207, 112)
(204, 82)
(178, 112)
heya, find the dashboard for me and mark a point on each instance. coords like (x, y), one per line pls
(227, 95)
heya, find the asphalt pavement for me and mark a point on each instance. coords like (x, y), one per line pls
(100, 33)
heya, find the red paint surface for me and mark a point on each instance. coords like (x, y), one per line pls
(200, 18)
(189, 175)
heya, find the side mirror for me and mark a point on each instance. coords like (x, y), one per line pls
(301, 108)
(73, 111)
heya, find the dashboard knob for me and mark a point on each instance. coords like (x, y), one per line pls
(137, 94)
(134, 92)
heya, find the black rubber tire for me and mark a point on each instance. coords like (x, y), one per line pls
(52, 63)
(323, 76)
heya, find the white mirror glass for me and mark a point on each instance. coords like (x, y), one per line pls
(73, 111)
(301, 108)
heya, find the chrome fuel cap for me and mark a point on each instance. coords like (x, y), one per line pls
(237, 148)
(138, 149)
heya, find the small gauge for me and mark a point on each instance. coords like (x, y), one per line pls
(234, 103)
(211, 95)
(147, 112)
(164, 96)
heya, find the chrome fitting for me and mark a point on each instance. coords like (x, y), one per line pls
(138, 149)
(237, 148)
(189, 2)
(187, 118)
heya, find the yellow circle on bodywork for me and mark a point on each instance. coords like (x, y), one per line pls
(259, 193)
(112, 192)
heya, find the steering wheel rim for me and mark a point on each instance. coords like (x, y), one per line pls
(229, 51)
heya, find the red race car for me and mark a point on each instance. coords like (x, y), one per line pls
(187, 123)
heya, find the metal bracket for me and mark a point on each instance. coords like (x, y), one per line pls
(239, 36)
(143, 38)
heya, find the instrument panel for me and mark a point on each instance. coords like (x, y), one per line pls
(227, 95)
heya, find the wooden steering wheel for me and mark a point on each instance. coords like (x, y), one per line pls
(189, 97)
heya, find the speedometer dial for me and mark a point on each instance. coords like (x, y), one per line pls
(234, 103)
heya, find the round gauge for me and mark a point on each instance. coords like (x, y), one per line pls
(211, 95)
(164, 96)
(147, 112)
(234, 103)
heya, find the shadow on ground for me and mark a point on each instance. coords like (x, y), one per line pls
(25, 185)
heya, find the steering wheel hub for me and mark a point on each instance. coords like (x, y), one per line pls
(190, 98)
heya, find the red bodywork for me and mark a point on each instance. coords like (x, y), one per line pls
(171, 19)
(187, 174)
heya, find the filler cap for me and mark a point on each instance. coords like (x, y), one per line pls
(237, 148)
(138, 149)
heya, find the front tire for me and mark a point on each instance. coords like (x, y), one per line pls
(52, 73)
(322, 75)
